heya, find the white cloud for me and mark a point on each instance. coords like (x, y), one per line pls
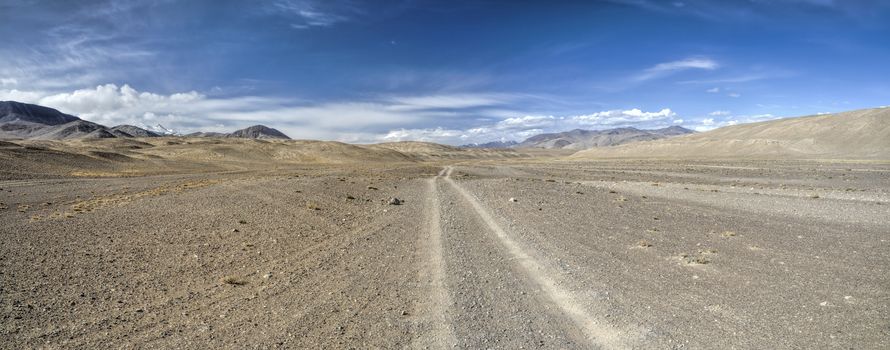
(666, 68)
(623, 117)
(713, 90)
(520, 128)
(710, 123)
(429, 135)
(734, 94)
(16, 95)
(362, 121)
(8, 81)
(719, 113)
(387, 118)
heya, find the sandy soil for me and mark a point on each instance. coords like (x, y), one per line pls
(617, 254)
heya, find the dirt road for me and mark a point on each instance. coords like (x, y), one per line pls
(585, 255)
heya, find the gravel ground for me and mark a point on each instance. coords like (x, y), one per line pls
(747, 255)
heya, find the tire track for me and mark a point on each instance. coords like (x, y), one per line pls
(598, 333)
(441, 335)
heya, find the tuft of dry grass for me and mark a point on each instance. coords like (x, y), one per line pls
(312, 206)
(644, 243)
(695, 259)
(233, 280)
(728, 234)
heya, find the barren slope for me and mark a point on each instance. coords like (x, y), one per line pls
(861, 134)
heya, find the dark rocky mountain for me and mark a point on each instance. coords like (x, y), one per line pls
(583, 139)
(259, 132)
(28, 121)
(74, 130)
(11, 111)
(253, 132)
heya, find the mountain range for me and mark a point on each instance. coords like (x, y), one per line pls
(580, 139)
(28, 121)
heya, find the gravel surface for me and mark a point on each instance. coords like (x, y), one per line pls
(622, 254)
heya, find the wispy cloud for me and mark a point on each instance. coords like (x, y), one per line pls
(89, 44)
(743, 78)
(746, 10)
(667, 68)
(308, 13)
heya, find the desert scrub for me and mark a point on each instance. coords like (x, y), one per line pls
(694, 259)
(233, 280)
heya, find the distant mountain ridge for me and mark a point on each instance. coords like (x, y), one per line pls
(583, 139)
(29, 121)
(132, 131)
(492, 144)
(251, 132)
(579, 139)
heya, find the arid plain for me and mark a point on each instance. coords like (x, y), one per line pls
(228, 243)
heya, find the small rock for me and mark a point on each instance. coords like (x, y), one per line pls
(395, 201)
(235, 230)
(513, 199)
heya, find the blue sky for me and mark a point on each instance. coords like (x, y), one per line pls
(453, 72)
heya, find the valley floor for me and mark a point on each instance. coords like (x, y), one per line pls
(499, 254)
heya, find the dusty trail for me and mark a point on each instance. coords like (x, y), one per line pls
(433, 273)
(598, 333)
